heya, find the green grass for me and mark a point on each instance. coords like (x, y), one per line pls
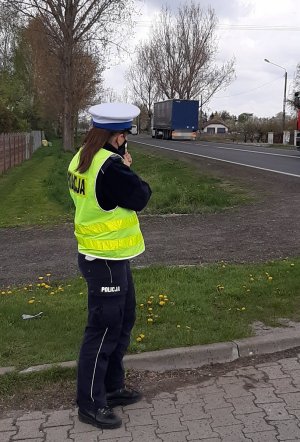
(25, 386)
(13, 381)
(205, 304)
(36, 192)
(179, 188)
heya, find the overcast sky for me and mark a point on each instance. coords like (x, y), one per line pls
(249, 30)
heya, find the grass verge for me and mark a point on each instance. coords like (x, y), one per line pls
(18, 390)
(36, 192)
(175, 307)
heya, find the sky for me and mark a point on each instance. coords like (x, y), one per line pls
(250, 31)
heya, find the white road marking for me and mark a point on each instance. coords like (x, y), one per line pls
(246, 150)
(224, 161)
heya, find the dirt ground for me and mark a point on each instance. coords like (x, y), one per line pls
(264, 230)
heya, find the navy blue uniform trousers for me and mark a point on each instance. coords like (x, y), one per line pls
(111, 316)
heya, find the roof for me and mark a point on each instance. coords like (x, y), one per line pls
(208, 123)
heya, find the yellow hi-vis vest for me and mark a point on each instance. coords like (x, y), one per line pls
(113, 234)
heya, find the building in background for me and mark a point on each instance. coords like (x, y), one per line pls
(213, 127)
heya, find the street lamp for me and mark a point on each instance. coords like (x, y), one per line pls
(284, 94)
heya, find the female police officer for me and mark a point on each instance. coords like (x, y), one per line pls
(106, 194)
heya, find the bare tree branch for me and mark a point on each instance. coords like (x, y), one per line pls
(181, 53)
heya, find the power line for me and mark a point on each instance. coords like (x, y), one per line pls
(241, 27)
(257, 27)
(250, 90)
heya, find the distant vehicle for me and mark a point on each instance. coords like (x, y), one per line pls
(134, 129)
(175, 119)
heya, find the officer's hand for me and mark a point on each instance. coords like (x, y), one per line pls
(127, 159)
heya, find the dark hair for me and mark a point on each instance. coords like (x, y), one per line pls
(94, 140)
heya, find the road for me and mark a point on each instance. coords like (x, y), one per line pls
(282, 161)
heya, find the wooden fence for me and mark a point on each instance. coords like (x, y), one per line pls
(18, 147)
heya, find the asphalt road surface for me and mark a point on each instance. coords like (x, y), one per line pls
(283, 161)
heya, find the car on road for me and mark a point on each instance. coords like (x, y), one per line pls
(134, 129)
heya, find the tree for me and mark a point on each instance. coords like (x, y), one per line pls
(70, 26)
(46, 73)
(142, 80)
(296, 85)
(9, 26)
(15, 92)
(181, 53)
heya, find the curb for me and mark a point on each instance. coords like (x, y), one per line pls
(196, 356)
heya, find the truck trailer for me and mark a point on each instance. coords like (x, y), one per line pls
(175, 119)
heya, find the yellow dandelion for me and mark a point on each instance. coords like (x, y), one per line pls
(3, 293)
(248, 290)
(29, 285)
(9, 292)
(270, 278)
(150, 320)
(149, 302)
(292, 264)
(243, 308)
(52, 293)
(81, 293)
(251, 279)
(141, 305)
(161, 296)
(161, 303)
(178, 325)
(25, 288)
(43, 284)
(41, 277)
(151, 297)
(150, 309)
(48, 274)
(31, 301)
(39, 285)
(138, 339)
(142, 336)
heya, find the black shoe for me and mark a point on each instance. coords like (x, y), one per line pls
(102, 418)
(123, 396)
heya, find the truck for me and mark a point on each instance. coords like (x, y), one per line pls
(175, 119)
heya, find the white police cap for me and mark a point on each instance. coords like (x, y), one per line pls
(114, 116)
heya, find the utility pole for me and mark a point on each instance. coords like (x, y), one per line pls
(284, 94)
